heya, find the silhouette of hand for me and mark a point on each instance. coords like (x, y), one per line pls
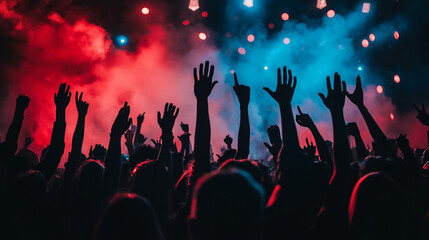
(304, 119)
(62, 98)
(122, 121)
(166, 123)
(22, 102)
(82, 107)
(157, 143)
(185, 127)
(336, 97)
(242, 92)
(140, 119)
(352, 129)
(284, 90)
(402, 141)
(203, 84)
(357, 96)
(228, 140)
(422, 115)
(129, 135)
(141, 139)
(275, 139)
(310, 149)
(184, 138)
(28, 142)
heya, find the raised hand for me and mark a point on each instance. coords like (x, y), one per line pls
(141, 139)
(166, 123)
(352, 129)
(275, 139)
(422, 115)
(336, 97)
(203, 84)
(122, 121)
(140, 119)
(303, 119)
(185, 127)
(129, 136)
(82, 107)
(157, 143)
(62, 98)
(228, 140)
(402, 141)
(22, 102)
(28, 142)
(285, 89)
(357, 96)
(310, 149)
(242, 92)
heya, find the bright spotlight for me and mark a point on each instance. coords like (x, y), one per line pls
(365, 43)
(250, 38)
(372, 37)
(145, 10)
(121, 40)
(204, 14)
(360, 68)
(266, 68)
(330, 13)
(248, 3)
(397, 79)
(379, 89)
(391, 116)
(366, 7)
(242, 51)
(285, 16)
(186, 22)
(202, 36)
(396, 34)
(194, 5)
(286, 40)
(321, 4)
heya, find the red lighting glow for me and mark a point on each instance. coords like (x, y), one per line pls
(250, 38)
(372, 37)
(396, 34)
(379, 89)
(145, 10)
(365, 43)
(391, 116)
(242, 51)
(202, 36)
(186, 22)
(204, 14)
(330, 13)
(285, 16)
(396, 78)
(271, 25)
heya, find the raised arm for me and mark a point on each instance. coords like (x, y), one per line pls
(422, 116)
(203, 86)
(74, 160)
(305, 120)
(186, 147)
(140, 119)
(353, 130)
(276, 143)
(243, 95)
(334, 101)
(10, 144)
(56, 147)
(166, 123)
(283, 96)
(110, 182)
(375, 131)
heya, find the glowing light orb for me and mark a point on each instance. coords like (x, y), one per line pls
(194, 5)
(204, 14)
(121, 40)
(391, 116)
(396, 78)
(285, 16)
(366, 7)
(265, 68)
(145, 10)
(365, 43)
(372, 37)
(286, 40)
(379, 89)
(321, 4)
(242, 51)
(271, 25)
(202, 36)
(396, 34)
(248, 3)
(330, 13)
(232, 71)
(360, 68)
(186, 22)
(250, 38)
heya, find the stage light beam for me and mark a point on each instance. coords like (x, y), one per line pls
(366, 7)
(330, 13)
(365, 43)
(250, 38)
(286, 41)
(379, 89)
(321, 4)
(194, 5)
(397, 79)
(396, 35)
(145, 11)
(285, 16)
(372, 37)
(242, 51)
(248, 3)
(202, 36)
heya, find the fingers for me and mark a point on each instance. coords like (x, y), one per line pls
(211, 71)
(76, 98)
(279, 77)
(290, 77)
(206, 69)
(213, 84)
(328, 84)
(337, 82)
(294, 83)
(414, 105)
(177, 113)
(165, 108)
(322, 97)
(267, 145)
(344, 87)
(195, 75)
(235, 80)
(80, 97)
(159, 117)
(269, 91)
(306, 140)
(358, 82)
(201, 71)
(299, 110)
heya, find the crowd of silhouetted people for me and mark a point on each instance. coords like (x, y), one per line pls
(154, 190)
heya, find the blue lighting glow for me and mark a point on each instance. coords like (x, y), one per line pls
(121, 40)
